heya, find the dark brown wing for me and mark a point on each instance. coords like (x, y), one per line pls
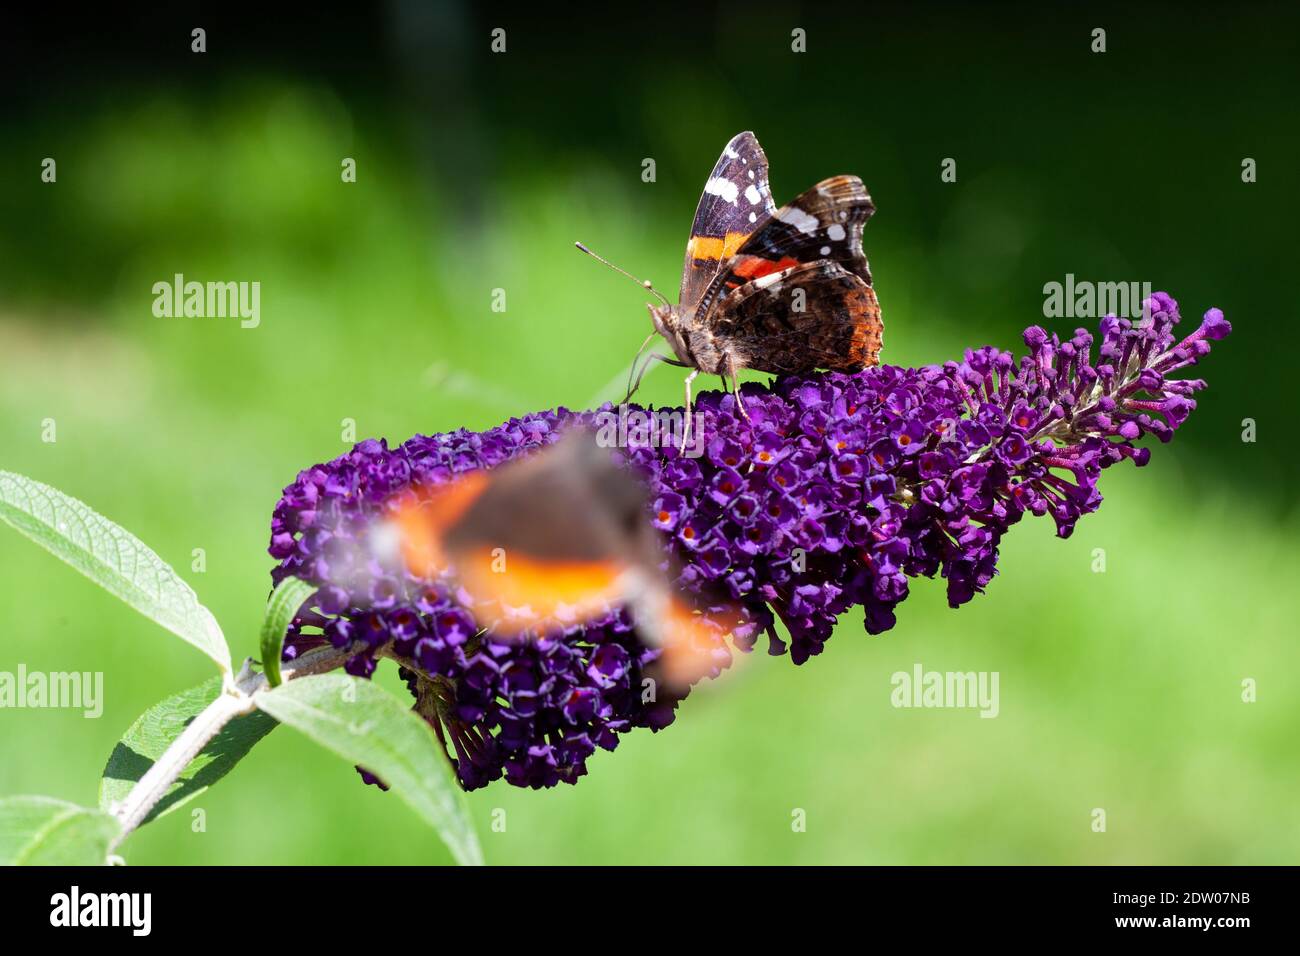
(736, 198)
(809, 316)
(568, 502)
(565, 531)
(824, 223)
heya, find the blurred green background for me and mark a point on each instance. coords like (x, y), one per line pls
(1119, 690)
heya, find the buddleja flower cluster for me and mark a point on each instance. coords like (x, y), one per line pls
(833, 493)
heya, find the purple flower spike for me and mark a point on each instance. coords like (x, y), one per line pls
(832, 494)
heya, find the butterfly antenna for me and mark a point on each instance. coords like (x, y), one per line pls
(643, 283)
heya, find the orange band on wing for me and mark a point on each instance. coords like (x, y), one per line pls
(535, 589)
(692, 649)
(421, 525)
(711, 247)
(520, 579)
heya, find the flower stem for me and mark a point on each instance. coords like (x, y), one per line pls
(235, 700)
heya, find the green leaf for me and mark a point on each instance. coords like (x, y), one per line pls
(368, 726)
(43, 831)
(113, 558)
(155, 730)
(281, 609)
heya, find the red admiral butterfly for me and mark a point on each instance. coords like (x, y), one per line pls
(783, 290)
(557, 537)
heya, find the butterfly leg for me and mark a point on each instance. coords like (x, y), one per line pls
(686, 431)
(651, 360)
(735, 386)
(633, 386)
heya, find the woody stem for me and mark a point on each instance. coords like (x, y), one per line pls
(234, 700)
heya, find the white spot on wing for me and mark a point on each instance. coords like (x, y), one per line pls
(804, 222)
(824, 251)
(723, 188)
(836, 232)
(754, 196)
(753, 218)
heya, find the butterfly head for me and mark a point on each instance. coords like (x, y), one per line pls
(671, 324)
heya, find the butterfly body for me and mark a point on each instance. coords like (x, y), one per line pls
(762, 329)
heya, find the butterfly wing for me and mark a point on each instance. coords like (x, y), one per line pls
(552, 533)
(563, 535)
(824, 223)
(736, 199)
(807, 316)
